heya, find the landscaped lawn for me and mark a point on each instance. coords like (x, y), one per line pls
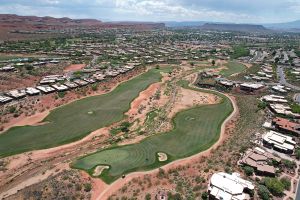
(78, 119)
(233, 68)
(195, 130)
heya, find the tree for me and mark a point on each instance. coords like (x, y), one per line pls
(263, 192)
(248, 170)
(213, 62)
(274, 186)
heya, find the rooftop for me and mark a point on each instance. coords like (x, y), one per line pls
(228, 186)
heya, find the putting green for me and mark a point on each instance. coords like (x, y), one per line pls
(76, 120)
(195, 130)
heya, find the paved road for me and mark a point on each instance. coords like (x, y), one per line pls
(298, 192)
(282, 80)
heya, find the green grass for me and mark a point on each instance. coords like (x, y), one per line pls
(240, 51)
(78, 119)
(232, 68)
(195, 130)
(251, 70)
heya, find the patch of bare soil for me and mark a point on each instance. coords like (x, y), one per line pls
(148, 99)
(142, 99)
(191, 98)
(74, 67)
(248, 65)
(11, 80)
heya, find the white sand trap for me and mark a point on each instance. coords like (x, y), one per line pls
(162, 157)
(99, 169)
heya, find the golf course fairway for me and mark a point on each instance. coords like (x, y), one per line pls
(233, 67)
(76, 120)
(195, 130)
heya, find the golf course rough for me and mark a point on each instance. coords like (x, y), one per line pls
(78, 119)
(195, 130)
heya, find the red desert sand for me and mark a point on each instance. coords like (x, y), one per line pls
(74, 67)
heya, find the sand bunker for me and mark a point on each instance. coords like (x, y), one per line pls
(99, 169)
(162, 157)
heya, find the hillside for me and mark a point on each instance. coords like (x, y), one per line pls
(25, 27)
(287, 25)
(233, 27)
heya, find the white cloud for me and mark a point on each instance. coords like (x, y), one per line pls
(160, 10)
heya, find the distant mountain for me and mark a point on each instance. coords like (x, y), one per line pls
(49, 21)
(291, 26)
(21, 27)
(175, 24)
(233, 27)
(215, 26)
(284, 26)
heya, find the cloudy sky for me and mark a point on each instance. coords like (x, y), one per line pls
(239, 11)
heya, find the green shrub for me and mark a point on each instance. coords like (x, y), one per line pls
(263, 192)
(87, 187)
(213, 62)
(161, 173)
(204, 195)
(275, 186)
(295, 108)
(148, 196)
(262, 105)
(289, 164)
(12, 109)
(248, 170)
(286, 182)
(297, 153)
(61, 94)
(94, 87)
